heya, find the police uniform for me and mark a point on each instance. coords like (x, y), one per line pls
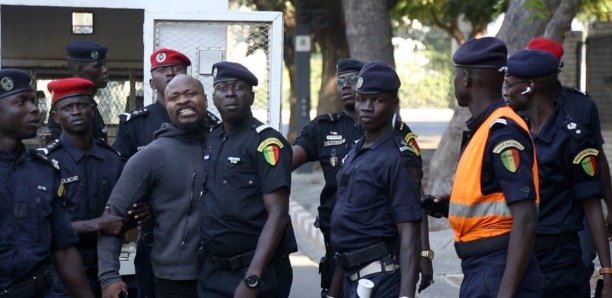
(497, 168)
(32, 220)
(87, 51)
(567, 159)
(242, 166)
(378, 187)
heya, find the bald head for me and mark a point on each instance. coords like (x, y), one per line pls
(186, 102)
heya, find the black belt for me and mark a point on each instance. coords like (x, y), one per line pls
(481, 247)
(364, 256)
(31, 287)
(544, 241)
(232, 263)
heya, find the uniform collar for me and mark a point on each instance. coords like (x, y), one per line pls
(475, 121)
(76, 153)
(376, 144)
(250, 123)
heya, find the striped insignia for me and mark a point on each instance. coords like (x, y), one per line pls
(410, 139)
(508, 144)
(271, 154)
(587, 158)
(510, 159)
(60, 190)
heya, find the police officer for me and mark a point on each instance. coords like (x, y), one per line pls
(569, 173)
(246, 204)
(327, 139)
(169, 174)
(375, 224)
(583, 110)
(87, 59)
(90, 168)
(35, 229)
(494, 197)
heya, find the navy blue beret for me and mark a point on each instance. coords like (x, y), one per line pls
(377, 77)
(231, 71)
(485, 52)
(13, 81)
(85, 50)
(531, 64)
(348, 64)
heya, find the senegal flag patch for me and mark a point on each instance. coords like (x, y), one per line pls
(270, 148)
(410, 139)
(587, 158)
(510, 159)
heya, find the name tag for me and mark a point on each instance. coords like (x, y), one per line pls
(70, 179)
(333, 143)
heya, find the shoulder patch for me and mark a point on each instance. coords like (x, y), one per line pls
(125, 117)
(499, 122)
(508, 144)
(410, 139)
(270, 148)
(269, 141)
(587, 158)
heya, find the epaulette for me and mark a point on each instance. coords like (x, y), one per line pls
(125, 117)
(327, 117)
(574, 90)
(50, 161)
(405, 147)
(212, 119)
(50, 147)
(262, 127)
(107, 146)
(498, 123)
(573, 127)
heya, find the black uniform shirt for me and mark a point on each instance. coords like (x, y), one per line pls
(582, 109)
(240, 168)
(33, 223)
(378, 187)
(569, 173)
(137, 127)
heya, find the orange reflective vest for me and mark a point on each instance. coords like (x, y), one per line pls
(473, 215)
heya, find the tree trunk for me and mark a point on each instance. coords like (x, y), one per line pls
(562, 19)
(331, 37)
(517, 29)
(368, 30)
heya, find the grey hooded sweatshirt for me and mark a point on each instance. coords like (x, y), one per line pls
(169, 174)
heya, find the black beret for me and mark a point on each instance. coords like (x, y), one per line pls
(377, 77)
(348, 64)
(231, 71)
(531, 64)
(14, 81)
(485, 52)
(85, 50)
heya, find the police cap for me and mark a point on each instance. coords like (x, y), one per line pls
(348, 65)
(485, 52)
(164, 57)
(377, 77)
(531, 64)
(14, 81)
(231, 71)
(85, 50)
(64, 88)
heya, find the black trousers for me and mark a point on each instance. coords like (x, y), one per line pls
(165, 288)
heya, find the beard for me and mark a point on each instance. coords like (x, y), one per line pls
(191, 127)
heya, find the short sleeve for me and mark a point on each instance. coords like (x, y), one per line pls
(582, 160)
(274, 161)
(309, 140)
(404, 188)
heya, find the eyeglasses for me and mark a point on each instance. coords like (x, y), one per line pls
(352, 80)
(510, 85)
(170, 68)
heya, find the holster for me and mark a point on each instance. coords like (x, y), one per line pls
(324, 272)
(354, 259)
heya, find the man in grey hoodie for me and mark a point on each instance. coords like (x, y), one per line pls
(169, 174)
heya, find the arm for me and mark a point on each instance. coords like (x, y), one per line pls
(425, 266)
(299, 157)
(107, 224)
(70, 269)
(594, 215)
(335, 288)
(409, 256)
(277, 206)
(520, 247)
(607, 188)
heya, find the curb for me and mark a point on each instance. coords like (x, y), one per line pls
(304, 220)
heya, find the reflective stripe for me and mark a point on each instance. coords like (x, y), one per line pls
(495, 208)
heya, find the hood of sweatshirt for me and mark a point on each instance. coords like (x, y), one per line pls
(168, 130)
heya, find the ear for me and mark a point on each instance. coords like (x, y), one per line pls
(53, 113)
(152, 85)
(252, 98)
(467, 81)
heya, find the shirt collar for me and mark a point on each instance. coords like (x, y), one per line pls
(378, 142)
(77, 153)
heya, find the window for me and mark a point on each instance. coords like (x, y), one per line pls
(82, 23)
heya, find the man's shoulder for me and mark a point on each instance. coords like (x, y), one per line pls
(129, 117)
(106, 147)
(41, 158)
(53, 146)
(327, 118)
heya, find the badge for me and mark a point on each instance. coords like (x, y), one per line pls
(161, 57)
(333, 160)
(233, 160)
(7, 84)
(359, 83)
(587, 158)
(41, 187)
(508, 144)
(571, 125)
(270, 148)
(214, 74)
(94, 54)
(333, 143)
(410, 139)
(510, 159)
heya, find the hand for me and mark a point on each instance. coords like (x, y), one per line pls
(242, 291)
(426, 270)
(114, 290)
(435, 206)
(109, 224)
(140, 212)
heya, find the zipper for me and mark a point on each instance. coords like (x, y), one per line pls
(190, 210)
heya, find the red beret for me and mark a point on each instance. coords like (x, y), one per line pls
(549, 45)
(64, 88)
(165, 56)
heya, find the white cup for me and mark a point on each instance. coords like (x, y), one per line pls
(364, 288)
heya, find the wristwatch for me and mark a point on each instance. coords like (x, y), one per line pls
(252, 281)
(605, 270)
(428, 254)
